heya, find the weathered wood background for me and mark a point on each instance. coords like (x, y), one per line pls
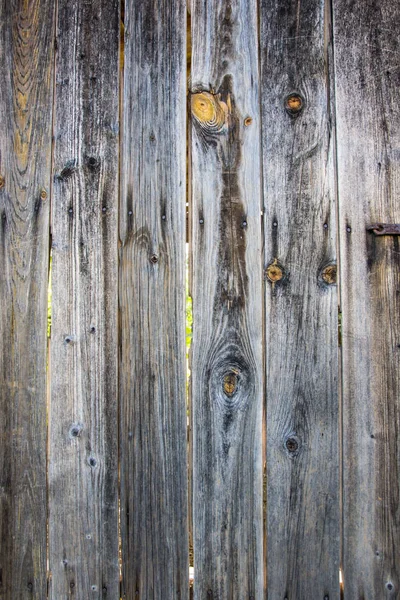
(267, 134)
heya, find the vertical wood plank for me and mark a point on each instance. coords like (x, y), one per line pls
(26, 65)
(368, 126)
(227, 302)
(83, 470)
(152, 303)
(301, 302)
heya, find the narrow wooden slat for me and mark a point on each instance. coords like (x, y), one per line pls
(367, 51)
(26, 62)
(301, 302)
(227, 302)
(152, 311)
(83, 469)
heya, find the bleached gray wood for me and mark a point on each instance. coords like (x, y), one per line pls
(83, 465)
(301, 308)
(367, 53)
(26, 66)
(226, 365)
(153, 419)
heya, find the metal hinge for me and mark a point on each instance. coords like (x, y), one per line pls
(385, 229)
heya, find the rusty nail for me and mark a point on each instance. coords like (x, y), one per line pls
(329, 274)
(294, 103)
(248, 121)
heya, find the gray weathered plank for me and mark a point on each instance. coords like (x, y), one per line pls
(301, 308)
(26, 61)
(227, 302)
(367, 53)
(152, 311)
(83, 468)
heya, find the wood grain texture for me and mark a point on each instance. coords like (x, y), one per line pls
(83, 469)
(153, 415)
(368, 126)
(301, 302)
(26, 61)
(227, 302)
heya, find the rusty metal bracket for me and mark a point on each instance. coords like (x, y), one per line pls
(385, 228)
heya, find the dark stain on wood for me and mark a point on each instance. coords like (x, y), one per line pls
(68, 170)
(218, 124)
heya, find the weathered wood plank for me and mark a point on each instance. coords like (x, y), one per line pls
(367, 51)
(227, 302)
(26, 62)
(301, 302)
(152, 303)
(83, 469)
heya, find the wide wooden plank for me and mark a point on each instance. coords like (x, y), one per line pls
(83, 469)
(301, 302)
(26, 64)
(367, 51)
(227, 302)
(152, 303)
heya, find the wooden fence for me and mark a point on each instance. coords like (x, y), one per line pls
(280, 470)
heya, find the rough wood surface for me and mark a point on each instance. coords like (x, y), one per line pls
(301, 302)
(83, 468)
(153, 415)
(26, 62)
(227, 302)
(367, 51)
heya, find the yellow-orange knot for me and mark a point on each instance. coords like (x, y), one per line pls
(203, 107)
(209, 111)
(274, 272)
(230, 383)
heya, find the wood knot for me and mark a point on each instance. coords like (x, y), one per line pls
(274, 272)
(230, 383)
(292, 445)
(294, 104)
(2, 181)
(208, 111)
(329, 274)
